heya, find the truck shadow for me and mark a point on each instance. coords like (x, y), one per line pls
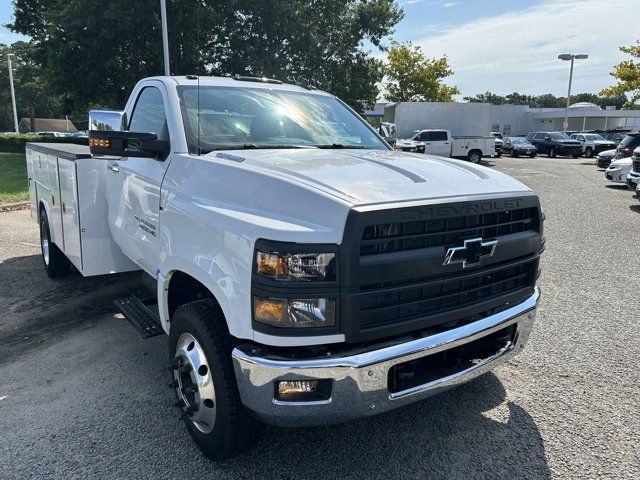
(35, 309)
(467, 432)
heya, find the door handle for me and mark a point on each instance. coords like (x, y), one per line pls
(113, 167)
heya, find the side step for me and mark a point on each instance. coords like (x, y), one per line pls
(140, 316)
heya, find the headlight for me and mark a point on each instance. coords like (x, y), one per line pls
(295, 312)
(296, 267)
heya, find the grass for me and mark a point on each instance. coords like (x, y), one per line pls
(13, 178)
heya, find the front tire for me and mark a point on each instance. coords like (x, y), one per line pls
(552, 152)
(203, 376)
(533, 155)
(588, 153)
(55, 263)
(574, 155)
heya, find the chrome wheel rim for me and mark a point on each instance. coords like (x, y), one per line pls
(194, 383)
(44, 242)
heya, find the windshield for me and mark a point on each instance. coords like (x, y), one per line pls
(243, 118)
(593, 137)
(518, 141)
(560, 136)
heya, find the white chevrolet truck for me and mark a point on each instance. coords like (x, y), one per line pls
(436, 141)
(304, 272)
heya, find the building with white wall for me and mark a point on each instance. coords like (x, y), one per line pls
(483, 118)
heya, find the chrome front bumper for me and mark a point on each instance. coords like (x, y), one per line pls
(360, 381)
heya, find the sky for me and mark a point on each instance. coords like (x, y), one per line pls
(506, 46)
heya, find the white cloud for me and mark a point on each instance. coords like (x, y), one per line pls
(449, 4)
(517, 50)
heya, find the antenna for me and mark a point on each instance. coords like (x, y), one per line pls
(198, 69)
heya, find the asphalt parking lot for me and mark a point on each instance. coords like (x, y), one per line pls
(82, 395)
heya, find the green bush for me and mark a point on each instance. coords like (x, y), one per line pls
(16, 143)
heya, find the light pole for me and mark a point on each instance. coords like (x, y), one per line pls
(572, 57)
(165, 37)
(13, 93)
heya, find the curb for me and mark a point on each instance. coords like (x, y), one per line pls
(10, 207)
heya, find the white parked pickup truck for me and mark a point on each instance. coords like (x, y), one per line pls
(304, 271)
(442, 143)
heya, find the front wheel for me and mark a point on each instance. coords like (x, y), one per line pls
(552, 152)
(575, 155)
(203, 377)
(474, 157)
(588, 152)
(532, 155)
(514, 154)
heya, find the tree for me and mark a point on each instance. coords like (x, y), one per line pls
(546, 100)
(95, 59)
(32, 97)
(486, 97)
(628, 74)
(412, 76)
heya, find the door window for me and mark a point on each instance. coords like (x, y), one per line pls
(149, 115)
(439, 136)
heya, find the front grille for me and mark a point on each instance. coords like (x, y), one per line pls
(425, 297)
(394, 280)
(636, 163)
(401, 236)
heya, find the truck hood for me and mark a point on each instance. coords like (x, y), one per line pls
(360, 177)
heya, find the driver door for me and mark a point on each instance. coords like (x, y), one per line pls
(133, 184)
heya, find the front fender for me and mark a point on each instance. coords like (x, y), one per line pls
(217, 285)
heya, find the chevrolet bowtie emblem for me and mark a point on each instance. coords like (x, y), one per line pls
(470, 254)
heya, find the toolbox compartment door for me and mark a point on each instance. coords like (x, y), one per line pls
(70, 212)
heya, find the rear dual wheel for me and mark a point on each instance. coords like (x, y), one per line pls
(55, 263)
(474, 156)
(203, 377)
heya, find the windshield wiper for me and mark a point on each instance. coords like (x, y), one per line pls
(253, 146)
(339, 145)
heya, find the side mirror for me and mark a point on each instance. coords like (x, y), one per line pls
(107, 120)
(107, 136)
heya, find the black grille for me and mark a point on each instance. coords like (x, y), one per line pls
(402, 236)
(636, 163)
(383, 305)
(394, 280)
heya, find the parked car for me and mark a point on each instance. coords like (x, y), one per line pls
(606, 157)
(633, 179)
(618, 170)
(499, 143)
(628, 145)
(592, 143)
(555, 143)
(615, 137)
(441, 142)
(272, 242)
(515, 146)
